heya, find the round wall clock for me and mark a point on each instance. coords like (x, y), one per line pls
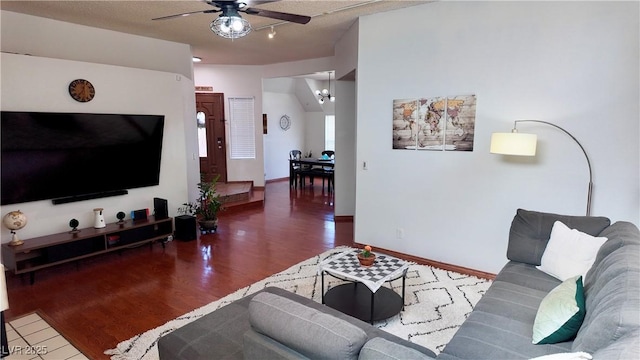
(81, 90)
(285, 122)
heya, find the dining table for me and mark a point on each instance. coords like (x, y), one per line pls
(311, 162)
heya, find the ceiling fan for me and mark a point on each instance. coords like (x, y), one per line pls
(230, 24)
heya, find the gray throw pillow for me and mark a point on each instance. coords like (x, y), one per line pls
(530, 231)
(308, 331)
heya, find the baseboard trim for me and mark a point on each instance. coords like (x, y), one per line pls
(343, 218)
(438, 264)
(276, 180)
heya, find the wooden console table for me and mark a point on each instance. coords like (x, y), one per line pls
(50, 250)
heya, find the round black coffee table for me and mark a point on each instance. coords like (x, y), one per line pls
(357, 300)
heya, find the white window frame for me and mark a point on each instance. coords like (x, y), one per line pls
(330, 132)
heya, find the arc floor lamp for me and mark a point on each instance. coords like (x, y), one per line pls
(515, 143)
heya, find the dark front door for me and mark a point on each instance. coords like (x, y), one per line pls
(211, 135)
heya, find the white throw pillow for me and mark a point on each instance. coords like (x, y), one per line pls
(566, 356)
(569, 252)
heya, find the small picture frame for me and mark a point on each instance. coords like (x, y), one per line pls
(264, 124)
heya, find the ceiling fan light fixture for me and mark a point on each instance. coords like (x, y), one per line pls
(230, 27)
(236, 24)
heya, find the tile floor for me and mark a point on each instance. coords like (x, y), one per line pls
(31, 337)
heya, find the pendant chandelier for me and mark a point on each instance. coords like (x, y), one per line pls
(325, 93)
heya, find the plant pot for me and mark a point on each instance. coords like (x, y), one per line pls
(367, 261)
(208, 225)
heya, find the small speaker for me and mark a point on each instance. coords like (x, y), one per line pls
(160, 208)
(186, 228)
(138, 215)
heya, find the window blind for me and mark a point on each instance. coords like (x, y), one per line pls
(242, 128)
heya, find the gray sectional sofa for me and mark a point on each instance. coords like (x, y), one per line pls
(277, 324)
(248, 329)
(500, 325)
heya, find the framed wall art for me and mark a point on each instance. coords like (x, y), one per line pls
(438, 123)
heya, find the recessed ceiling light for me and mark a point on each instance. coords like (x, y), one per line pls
(196, 59)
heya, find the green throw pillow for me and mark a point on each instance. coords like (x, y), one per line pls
(561, 313)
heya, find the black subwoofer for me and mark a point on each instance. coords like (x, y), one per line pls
(186, 228)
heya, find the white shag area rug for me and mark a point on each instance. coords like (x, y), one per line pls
(436, 304)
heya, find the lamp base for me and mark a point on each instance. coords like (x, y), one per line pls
(14, 240)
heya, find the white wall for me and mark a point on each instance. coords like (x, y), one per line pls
(238, 81)
(571, 63)
(157, 93)
(25, 34)
(278, 142)
(314, 133)
(346, 60)
(247, 81)
(345, 167)
(141, 76)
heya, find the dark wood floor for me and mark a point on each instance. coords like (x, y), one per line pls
(101, 301)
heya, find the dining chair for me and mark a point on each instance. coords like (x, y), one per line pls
(294, 169)
(327, 172)
(300, 171)
(329, 153)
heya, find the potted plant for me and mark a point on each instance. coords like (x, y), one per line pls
(206, 208)
(366, 257)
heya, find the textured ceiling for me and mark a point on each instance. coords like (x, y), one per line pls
(329, 21)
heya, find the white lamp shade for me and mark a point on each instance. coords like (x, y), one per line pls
(513, 144)
(4, 299)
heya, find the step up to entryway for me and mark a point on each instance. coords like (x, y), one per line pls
(239, 195)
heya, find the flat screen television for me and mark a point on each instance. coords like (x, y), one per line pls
(71, 156)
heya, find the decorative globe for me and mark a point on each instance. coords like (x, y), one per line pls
(15, 220)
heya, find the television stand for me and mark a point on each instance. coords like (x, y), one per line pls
(51, 250)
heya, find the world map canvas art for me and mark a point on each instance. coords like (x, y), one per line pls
(439, 123)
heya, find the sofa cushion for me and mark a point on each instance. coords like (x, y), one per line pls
(625, 348)
(569, 252)
(620, 234)
(308, 331)
(383, 349)
(528, 276)
(501, 324)
(210, 337)
(261, 347)
(530, 231)
(612, 291)
(560, 313)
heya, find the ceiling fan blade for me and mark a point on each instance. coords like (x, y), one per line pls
(298, 19)
(186, 14)
(257, 2)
